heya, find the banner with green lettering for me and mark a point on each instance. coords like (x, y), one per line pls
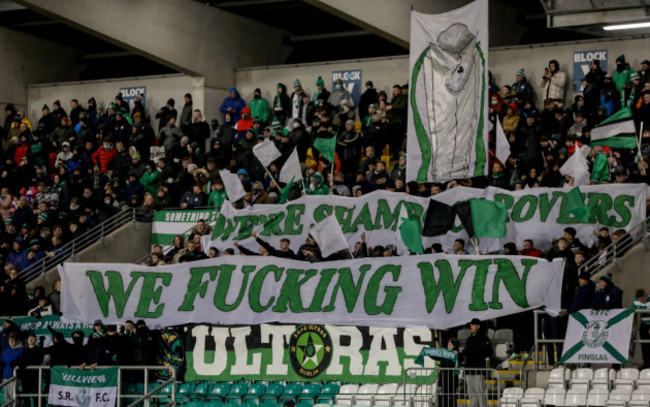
(306, 352)
(39, 327)
(435, 291)
(167, 224)
(539, 214)
(83, 388)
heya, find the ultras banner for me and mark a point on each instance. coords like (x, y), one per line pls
(306, 352)
(435, 291)
(539, 214)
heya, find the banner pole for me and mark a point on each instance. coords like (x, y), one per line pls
(271, 176)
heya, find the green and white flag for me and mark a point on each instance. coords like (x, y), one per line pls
(167, 224)
(83, 388)
(447, 106)
(617, 131)
(598, 336)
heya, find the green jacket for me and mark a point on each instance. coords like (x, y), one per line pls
(150, 182)
(260, 109)
(622, 78)
(216, 198)
(321, 190)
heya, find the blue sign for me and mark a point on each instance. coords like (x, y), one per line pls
(352, 82)
(129, 93)
(582, 64)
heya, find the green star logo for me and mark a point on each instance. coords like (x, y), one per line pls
(310, 350)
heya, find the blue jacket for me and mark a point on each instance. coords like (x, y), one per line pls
(9, 360)
(583, 298)
(236, 104)
(609, 298)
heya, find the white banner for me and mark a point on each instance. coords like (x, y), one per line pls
(447, 107)
(598, 336)
(83, 388)
(538, 214)
(436, 291)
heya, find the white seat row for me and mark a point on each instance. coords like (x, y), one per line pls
(586, 379)
(600, 397)
(385, 395)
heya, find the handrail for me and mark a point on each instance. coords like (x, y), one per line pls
(82, 242)
(616, 249)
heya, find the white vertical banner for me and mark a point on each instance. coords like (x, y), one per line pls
(447, 108)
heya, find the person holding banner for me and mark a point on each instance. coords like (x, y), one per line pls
(449, 378)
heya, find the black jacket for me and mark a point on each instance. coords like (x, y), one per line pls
(583, 298)
(477, 349)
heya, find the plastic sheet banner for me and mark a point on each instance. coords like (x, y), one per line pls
(83, 388)
(39, 327)
(308, 352)
(435, 291)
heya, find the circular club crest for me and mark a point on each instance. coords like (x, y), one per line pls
(595, 334)
(310, 350)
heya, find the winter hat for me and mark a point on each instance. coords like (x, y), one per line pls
(233, 90)
(136, 156)
(521, 73)
(374, 106)
(634, 76)
(606, 278)
(43, 216)
(296, 83)
(171, 102)
(584, 276)
(320, 81)
(34, 241)
(242, 171)
(257, 90)
(339, 81)
(317, 176)
(92, 99)
(369, 83)
(119, 96)
(100, 106)
(185, 140)
(45, 107)
(513, 106)
(621, 58)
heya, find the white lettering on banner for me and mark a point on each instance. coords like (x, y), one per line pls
(281, 333)
(247, 290)
(347, 75)
(242, 367)
(218, 365)
(383, 354)
(589, 56)
(83, 379)
(131, 92)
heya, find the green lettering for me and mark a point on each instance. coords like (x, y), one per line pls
(290, 292)
(322, 211)
(445, 283)
(545, 205)
(508, 200)
(223, 286)
(151, 293)
(115, 289)
(385, 218)
(197, 286)
(622, 205)
(599, 205)
(526, 201)
(272, 224)
(507, 272)
(321, 290)
(344, 216)
(292, 225)
(363, 218)
(246, 225)
(256, 287)
(478, 287)
(370, 300)
(350, 289)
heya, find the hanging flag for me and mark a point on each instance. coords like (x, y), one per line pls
(266, 152)
(326, 146)
(575, 205)
(488, 218)
(329, 236)
(87, 388)
(284, 192)
(577, 168)
(439, 219)
(447, 105)
(464, 213)
(233, 185)
(617, 131)
(600, 169)
(291, 169)
(503, 147)
(410, 231)
(598, 336)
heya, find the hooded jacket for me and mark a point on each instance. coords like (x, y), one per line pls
(235, 105)
(245, 123)
(10, 359)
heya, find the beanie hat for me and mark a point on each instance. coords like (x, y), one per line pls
(513, 106)
(92, 99)
(621, 58)
(100, 106)
(233, 90)
(171, 102)
(45, 107)
(185, 140)
(119, 96)
(320, 82)
(317, 176)
(584, 276)
(634, 76)
(606, 278)
(136, 156)
(521, 73)
(296, 83)
(258, 90)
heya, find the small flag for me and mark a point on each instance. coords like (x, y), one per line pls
(266, 152)
(464, 213)
(439, 220)
(326, 146)
(329, 236)
(410, 231)
(600, 169)
(575, 204)
(577, 168)
(617, 131)
(291, 169)
(233, 185)
(488, 218)
(503, 147)
(284, 192)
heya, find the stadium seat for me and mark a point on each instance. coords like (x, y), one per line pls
(640, 398)
(327, 393)
(558, 378)
(643, 382)
(619, 397)
(405, 394)
(626, 379)
(597, 397)
(533, 396)
(291, 392)
(201, 392)
(309, 394)
(511, 396)
(575, 397)
(219, 392)
(603, 378)
(366, 394)
(254, 393)
(385, 394)
(346, 394)
(272, 393)
(554, 396)
(425, 395)
(185, 392)
(237, 393)
(501, 343)
(581, 379)
(194, 404)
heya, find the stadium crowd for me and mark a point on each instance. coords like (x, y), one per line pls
(70, 170)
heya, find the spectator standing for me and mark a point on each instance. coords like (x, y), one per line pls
(10, 359)
(259, 107)
(642, 321)
(477, 349)
(165, 113)
(622, 74)
(186, 113)
(553, 82)
(607, 296)
(368, 97)
(233, 104)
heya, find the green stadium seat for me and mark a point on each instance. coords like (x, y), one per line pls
(291, 392)
(254, 394)
(237, 393)
(185, 392)
(268, 403)
(272, 393)
(214, 404)
(219, 392)
(201, 391)
(327, 393)
(308, 395)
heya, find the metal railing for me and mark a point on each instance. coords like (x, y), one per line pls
(82, 242)
(616, 249)
(447, 387)
(123, 399)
